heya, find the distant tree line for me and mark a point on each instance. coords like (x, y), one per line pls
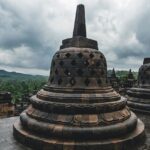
(19, 88)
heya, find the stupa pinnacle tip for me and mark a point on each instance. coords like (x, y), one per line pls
(79, 25)
(80, 5)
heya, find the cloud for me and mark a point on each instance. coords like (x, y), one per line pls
(32, 31)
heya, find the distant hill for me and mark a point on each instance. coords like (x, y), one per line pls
(21, 76)
(15, 75)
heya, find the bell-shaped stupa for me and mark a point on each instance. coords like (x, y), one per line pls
(77, 110)
(139, 98)
(130, 75)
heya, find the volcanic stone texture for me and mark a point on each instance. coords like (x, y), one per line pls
(7, 141)
(139, 98)
(76, 109)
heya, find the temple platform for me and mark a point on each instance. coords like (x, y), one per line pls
(7, 141)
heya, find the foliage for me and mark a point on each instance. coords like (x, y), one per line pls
(19, 87)
(23, 84)
(122, 74)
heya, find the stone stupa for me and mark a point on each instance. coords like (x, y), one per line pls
(139, 98)
(130, 75)
(77, 110)
(113, 74)
(130, 80)
(113, 79)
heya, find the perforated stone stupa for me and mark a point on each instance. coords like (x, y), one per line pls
(139, 98)
(77, 110)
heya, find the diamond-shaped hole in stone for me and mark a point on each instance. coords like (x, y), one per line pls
(73, 62)
(59, 81)
(72, 81)
(80, 72)
(86, 63)
(61, 63)
(98, 63)
(56, 71)
(68, 55)
(67, 72)
(92, 72)
(91, 55)
(87, 81)
(101, 57)
(99, 81)
(80, 55)
(57, 55)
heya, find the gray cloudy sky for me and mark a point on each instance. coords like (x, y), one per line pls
(31, 31)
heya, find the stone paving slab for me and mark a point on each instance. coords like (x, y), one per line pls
(146, 120)
(7, 141)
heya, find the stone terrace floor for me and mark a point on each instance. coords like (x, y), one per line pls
(7, 142)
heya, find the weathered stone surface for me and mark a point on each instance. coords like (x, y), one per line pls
(139, 97)
(79, 25)
(7, 141)
(77, 110)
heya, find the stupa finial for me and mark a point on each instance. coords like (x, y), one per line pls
(79, 24)
(113, 74)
